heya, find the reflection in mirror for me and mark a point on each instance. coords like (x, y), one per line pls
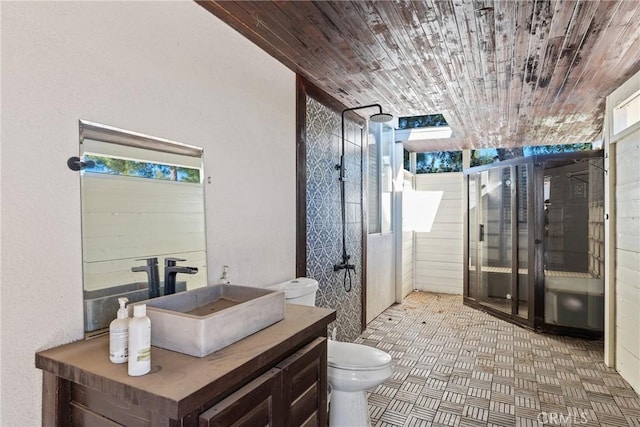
(143, 227)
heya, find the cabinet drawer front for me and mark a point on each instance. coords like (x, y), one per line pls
(93, 408)
(81, 416)
(256, 404)
(304, 385)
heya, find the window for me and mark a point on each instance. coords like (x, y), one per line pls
(487, 156)
(425, 121)
(435, 162)
(438, 162)
(380, 177)
(627, 113)
(373, 185)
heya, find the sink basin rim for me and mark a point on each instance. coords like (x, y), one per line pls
(156, 304)
(201, 335)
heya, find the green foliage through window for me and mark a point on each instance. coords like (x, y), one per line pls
(426, 121)
(451, 161)
(437, 162)
(487, 156)
(141, 169)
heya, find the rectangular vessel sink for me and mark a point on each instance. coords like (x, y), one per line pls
(201, 321)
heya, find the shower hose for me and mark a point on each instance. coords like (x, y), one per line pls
(347, 279)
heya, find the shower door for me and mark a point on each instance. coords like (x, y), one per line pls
(499, 252)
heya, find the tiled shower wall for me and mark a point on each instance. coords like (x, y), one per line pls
(324, 227)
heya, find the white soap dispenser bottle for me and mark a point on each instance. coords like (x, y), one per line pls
(119, 334)
(139, 341)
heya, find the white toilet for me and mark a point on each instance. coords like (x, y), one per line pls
(352, 368)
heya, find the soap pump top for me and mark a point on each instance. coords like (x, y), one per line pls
(123, 313)
(119, 334)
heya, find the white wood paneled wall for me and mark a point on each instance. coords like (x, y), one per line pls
(438, 252)
(622, 231)
(407, 263)
(627, 269)
(407, 238)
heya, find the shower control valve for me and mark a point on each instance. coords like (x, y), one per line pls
(344, 266)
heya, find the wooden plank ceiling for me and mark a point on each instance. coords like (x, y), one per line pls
(503, 73)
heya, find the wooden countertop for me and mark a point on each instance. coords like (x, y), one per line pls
(178, 383)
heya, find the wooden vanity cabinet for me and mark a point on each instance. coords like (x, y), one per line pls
(292, 394)
(304, 386)
(259, 403)
(275, 377)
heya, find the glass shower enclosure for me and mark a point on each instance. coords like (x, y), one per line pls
(534, 241)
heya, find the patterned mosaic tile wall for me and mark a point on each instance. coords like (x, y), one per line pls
(324, 227)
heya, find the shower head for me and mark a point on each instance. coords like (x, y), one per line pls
(381, 117)
(378, 117)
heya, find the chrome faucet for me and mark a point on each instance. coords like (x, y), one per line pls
(170, 271)
(152, 272)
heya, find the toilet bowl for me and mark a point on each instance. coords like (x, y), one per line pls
(352, 369)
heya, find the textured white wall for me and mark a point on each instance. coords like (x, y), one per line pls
(168, 69)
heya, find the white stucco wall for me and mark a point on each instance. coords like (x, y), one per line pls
(166, 69)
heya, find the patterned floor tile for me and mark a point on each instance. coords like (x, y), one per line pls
(375, 412)
(475, 413)
(446, 418)
(456, 366)
(390, 418)
(413, 421)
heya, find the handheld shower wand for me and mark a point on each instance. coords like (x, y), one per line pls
(344, 264)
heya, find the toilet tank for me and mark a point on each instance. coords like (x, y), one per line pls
(298, 291)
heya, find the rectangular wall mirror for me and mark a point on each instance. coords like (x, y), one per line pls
(142, 206)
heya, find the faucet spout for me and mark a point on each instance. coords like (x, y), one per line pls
(151, 268)
(170, 270)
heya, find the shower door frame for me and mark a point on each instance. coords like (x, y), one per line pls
(512, 315)
(535, 221)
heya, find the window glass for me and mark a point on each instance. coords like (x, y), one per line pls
(441, 161)
(380, 178)
(373, 185)
(487, 156)
(425, 121)
(627, 113)
(386, 182)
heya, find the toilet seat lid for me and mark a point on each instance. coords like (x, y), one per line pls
(356, 357)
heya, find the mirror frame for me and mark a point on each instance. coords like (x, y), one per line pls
(99, 132)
